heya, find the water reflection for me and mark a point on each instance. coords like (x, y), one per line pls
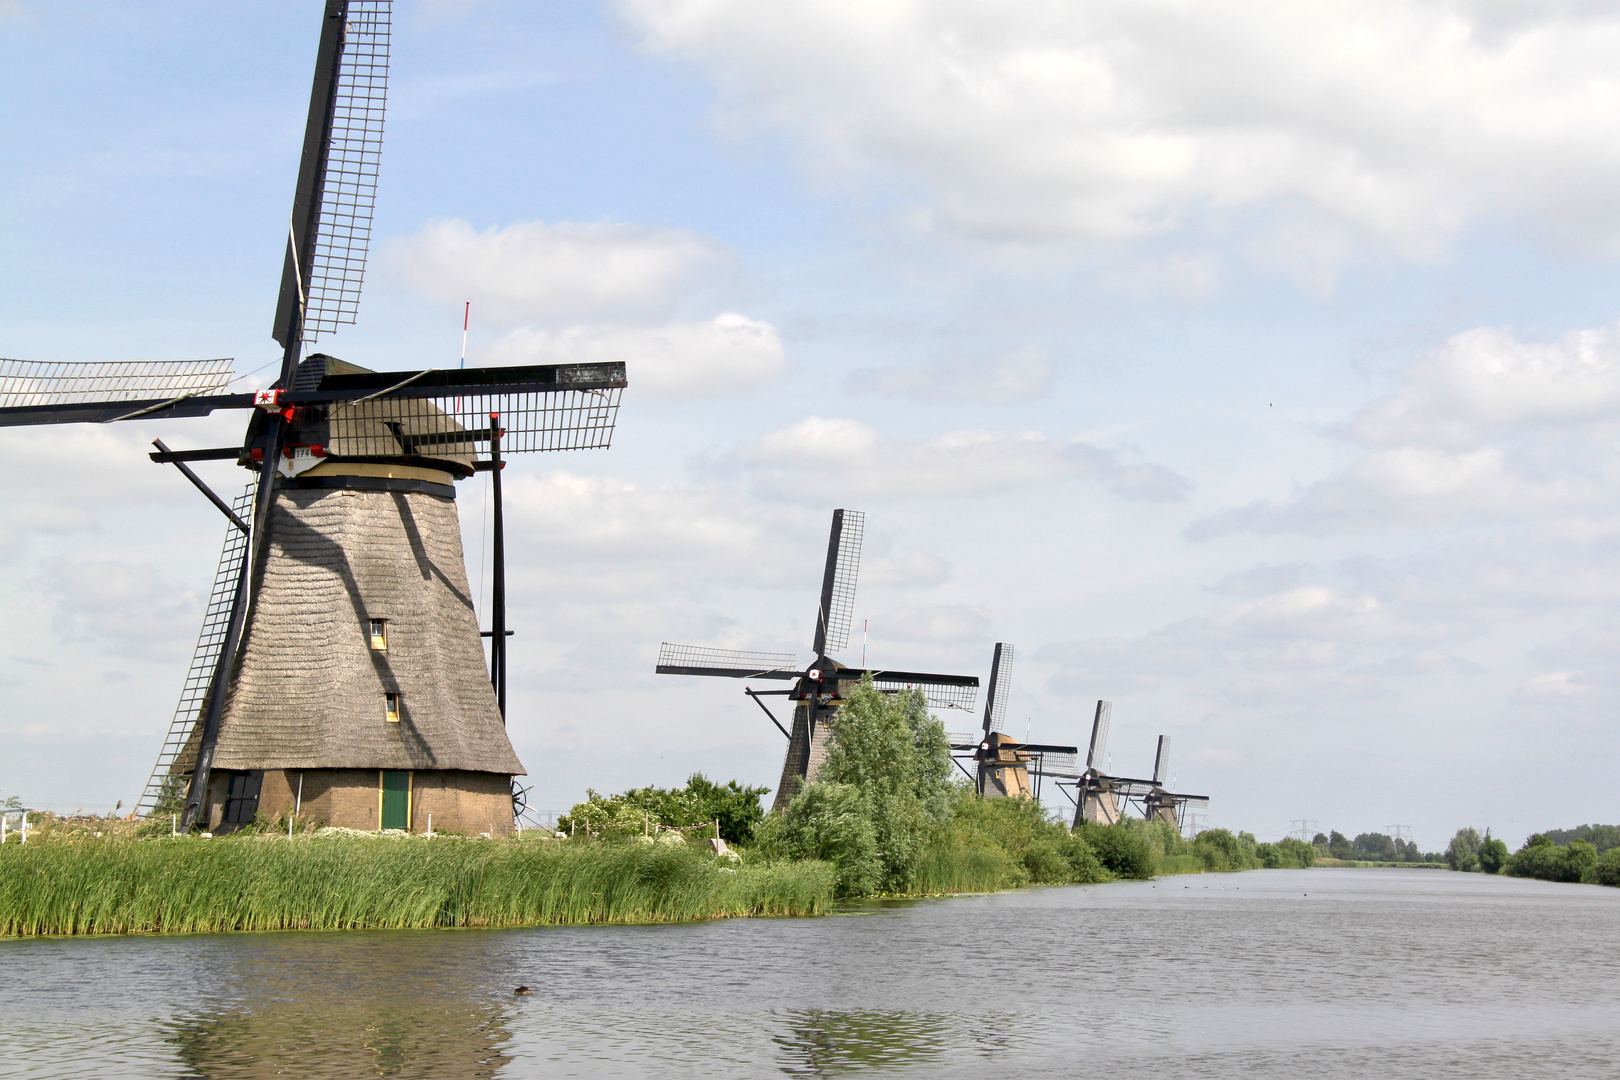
(819, 1043)
(344, 1041)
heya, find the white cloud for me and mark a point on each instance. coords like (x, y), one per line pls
(1309, 126)
(613, 540)
(678, 361)
(1487, 427)
(129, 609)
(565, 271)
(1490, 382)
(954, 623)
(1018, 375)
(826, 460)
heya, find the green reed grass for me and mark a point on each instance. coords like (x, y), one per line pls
(971, 870)
(1181, 864)
(193, 885)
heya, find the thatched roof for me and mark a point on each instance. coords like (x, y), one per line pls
(309, 689)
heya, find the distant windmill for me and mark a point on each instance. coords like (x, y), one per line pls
(1160, 804)
(820, 686)
(1005, 767)
(339, 671)
(1097, 794)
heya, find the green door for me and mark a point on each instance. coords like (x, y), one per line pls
(396, 799)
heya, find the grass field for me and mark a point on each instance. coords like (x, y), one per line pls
(195, 885)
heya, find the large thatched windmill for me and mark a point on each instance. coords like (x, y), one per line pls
(340, 673)
(1005, 767)
(820, 686)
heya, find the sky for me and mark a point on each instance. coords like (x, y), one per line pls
(1253, 366)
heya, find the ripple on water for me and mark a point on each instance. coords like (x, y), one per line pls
(1374, 973)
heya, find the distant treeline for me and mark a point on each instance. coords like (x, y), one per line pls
(1371, 847)
(1588, 853)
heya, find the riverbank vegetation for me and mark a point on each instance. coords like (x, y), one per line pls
(265, 881)
(888, 816)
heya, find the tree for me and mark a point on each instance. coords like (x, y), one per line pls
(1463, 851)
(1375, 846)
(1319, 840)
(1339, 846)
(1492, 854)
(892, 765)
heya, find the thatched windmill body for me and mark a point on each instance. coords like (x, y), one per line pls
(340, 672)
(1161, 804)
(1003, 766)
(821, 685)
(1098, 794)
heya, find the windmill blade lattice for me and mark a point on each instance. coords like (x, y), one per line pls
(697, 659)
(938, 695)
(1000, 688)
(1056, 763)
(841, 599)
(1161, 760)
(40, 383)
(179, 751)
(354, 151)
(1098, 751)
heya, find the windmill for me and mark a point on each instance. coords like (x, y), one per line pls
(1160, 804)
(340, 672)
(1097, 794)
(1005, 767)
(821, 685)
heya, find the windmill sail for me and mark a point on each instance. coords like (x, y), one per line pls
(1161, 760)
(995, 705)
(349, 188)
(838, 582)
(732, 663)
(178, 756)
(1097, 754)
(53, 392)
(956, 694)
(330, 229)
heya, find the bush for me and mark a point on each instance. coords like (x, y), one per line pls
(1289, 853)
(1221, 850)
(1606, 870)
(1125, 849)
(701, 801)
(1541, 858)
(830, 822)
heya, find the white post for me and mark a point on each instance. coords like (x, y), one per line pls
(2, 828)
(24, 838)
(174, 824)
(430, 825)
(298, 803)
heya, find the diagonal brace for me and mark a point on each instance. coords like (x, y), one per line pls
(755, 695)
(185, 470)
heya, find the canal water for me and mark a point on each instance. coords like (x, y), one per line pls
(1271, 973)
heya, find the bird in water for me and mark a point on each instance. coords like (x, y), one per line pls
(520, 991)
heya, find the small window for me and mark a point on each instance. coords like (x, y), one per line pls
(379, 634)
(391, 708)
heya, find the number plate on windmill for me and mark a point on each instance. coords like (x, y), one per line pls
(300, 459)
